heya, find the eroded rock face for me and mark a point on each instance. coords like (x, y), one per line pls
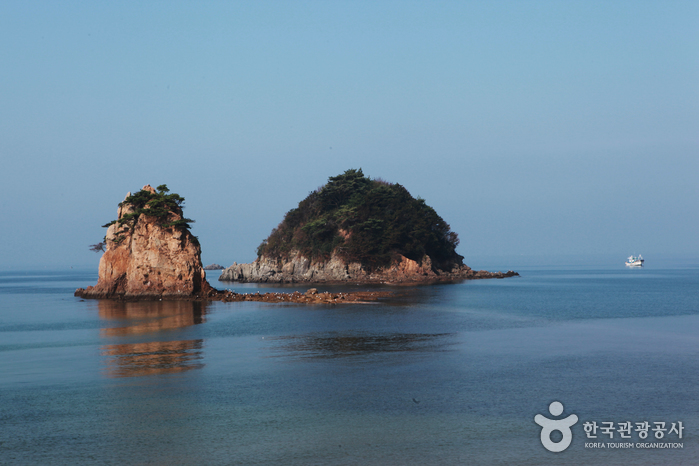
(299, 269)
(149, 260)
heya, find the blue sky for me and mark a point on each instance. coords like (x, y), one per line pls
(531, 127)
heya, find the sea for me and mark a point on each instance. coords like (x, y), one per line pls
(445, 374)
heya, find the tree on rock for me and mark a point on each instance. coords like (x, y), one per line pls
(363, 220)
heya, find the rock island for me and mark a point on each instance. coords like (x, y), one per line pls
(356, 229)
(151, 254)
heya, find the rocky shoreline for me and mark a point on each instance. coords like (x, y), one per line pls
(298, 269)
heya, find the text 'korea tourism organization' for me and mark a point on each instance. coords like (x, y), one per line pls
(626, 434)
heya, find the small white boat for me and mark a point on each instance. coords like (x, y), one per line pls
(635, 261)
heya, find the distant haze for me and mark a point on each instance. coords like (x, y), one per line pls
(532, 128)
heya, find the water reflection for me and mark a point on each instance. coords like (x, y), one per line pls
(125, 319)
(336, 346)
(148, 317)
(156, 357)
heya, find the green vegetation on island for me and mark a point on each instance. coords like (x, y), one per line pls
(363, 220)
(166, 208)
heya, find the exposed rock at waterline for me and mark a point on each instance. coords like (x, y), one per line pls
(299, 269)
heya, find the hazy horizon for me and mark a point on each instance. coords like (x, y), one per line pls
(542, 128)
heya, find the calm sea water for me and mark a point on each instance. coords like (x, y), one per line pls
(446, 374)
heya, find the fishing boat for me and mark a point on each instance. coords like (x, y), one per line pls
(635, 261)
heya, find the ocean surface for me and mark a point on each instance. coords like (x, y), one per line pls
(444, 374)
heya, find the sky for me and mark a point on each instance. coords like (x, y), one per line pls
(532, 128)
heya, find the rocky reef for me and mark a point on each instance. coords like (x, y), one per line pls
(150, 252)
(311, 296)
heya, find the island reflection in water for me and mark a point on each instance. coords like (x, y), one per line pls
(130, 319)
(337, 346)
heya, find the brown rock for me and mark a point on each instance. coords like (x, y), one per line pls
(149, 260)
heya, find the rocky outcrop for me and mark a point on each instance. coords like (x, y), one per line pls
(146, 258)
(299, 269)
(214, 267)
